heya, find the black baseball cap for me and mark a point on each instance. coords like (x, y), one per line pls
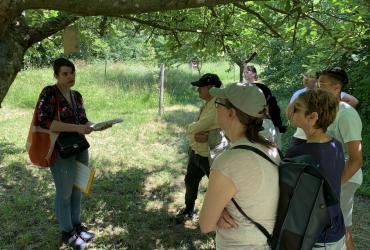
(208, 79)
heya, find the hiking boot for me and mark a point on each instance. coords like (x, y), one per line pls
(185, 214)
(81, 230)
(74, 240)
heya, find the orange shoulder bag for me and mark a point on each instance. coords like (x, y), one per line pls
(40, 144)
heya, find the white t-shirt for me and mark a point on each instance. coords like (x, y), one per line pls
(257, 184)
(347, 127)
(300, 91)
(299, 133)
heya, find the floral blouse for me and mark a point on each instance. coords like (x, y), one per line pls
(52, 105)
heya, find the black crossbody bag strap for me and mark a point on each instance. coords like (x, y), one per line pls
(74, 106)
(259, 226)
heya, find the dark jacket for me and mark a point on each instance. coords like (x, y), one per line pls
(274, 109)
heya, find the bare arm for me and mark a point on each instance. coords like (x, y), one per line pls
(220, 191)
(226, 221)
(350, 99)
(58, 126)
(201, 137)
(354, 163)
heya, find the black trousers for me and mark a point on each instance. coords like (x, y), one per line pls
(198, 166)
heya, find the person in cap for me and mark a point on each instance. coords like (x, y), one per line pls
(241, 174)
(198, 133)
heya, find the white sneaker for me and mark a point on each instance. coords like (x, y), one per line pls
(83, 233)
(77, 242)
(86, 236)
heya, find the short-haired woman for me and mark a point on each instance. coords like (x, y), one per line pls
(314, 111)
(61, 110)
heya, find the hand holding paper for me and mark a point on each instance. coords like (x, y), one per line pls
(104, 125)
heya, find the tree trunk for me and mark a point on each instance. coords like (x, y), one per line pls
(13, 46)
(17, 37)
(11, 62)
(241, 70)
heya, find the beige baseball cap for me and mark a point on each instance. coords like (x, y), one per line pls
(246, 97)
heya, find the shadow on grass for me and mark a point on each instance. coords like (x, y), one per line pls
(26, 211)
(133, 215)
(124, 210)
(177, 122)
(7, 148)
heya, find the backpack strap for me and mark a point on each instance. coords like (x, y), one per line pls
(259, 226)
(257, 151)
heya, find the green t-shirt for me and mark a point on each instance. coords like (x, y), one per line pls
(347, 127)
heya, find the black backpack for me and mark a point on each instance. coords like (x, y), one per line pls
(302, 213)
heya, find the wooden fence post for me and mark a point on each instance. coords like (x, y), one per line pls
(161, 89)
(105, 68)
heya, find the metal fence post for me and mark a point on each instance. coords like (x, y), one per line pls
(161, 89)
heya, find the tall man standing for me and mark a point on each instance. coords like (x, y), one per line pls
(198, 164)
(347, 129)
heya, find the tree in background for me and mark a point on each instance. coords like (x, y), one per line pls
(17, 36)
(287, 36)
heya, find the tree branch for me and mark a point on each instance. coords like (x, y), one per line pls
(118, 8)
(341, 18)
(176, 38)
(260, 30)
(236, 59)
(295, 30)
(250, 58)
(249, 10)
(276, 9)
(103, 27)
(324, 28)
(154, 24)
(50, 27)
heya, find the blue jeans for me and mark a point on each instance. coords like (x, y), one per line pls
(68, 197)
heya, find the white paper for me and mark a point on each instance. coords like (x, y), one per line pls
(100, 125)
(83, 176)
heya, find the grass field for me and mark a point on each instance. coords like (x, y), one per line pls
(140, 163)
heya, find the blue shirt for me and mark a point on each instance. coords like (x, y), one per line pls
(330, 158)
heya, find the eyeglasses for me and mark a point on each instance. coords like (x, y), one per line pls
(217, 104)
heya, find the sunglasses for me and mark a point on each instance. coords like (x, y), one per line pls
(217, 104)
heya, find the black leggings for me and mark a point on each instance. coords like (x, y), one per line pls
(198, 166)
